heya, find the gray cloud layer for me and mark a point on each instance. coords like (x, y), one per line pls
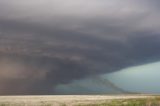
(44, 43)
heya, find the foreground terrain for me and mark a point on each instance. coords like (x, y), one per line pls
(80, 100)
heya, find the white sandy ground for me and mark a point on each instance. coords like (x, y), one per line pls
(59, 100)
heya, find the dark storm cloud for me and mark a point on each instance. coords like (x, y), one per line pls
(44, 43)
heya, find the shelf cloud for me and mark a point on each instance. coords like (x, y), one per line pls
(44, 43)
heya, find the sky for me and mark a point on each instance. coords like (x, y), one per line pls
(79, 46)
(142, 79)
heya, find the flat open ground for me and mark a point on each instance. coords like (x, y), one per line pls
(62, 100)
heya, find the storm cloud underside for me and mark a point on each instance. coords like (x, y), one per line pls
(44, 43)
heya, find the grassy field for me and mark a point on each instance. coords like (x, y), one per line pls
(127, 102)
(78, 100)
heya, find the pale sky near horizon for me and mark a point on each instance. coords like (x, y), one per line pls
(138, 79)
